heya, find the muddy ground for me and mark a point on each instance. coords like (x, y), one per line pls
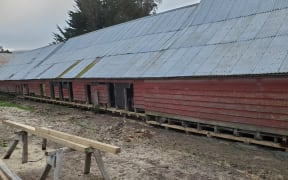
(147, 152)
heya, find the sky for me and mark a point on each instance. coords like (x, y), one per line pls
(29, 24)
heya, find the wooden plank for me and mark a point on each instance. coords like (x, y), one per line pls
(219, 123)
(80, 140)
(6, 173)
(189, 107)
(259, 124)
(22, 127)
(59, 140)
(67, 143)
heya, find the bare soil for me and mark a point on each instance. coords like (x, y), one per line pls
(147, 152)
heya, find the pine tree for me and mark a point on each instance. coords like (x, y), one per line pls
(91, 15)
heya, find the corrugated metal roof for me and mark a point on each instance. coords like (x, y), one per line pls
(215, 37)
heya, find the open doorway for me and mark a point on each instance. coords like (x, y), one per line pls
(25, 89)
(124, 96)
(70, 91)
(52, 90)
(88, 94)
(111, 91)
(42, 90)
(129, 105)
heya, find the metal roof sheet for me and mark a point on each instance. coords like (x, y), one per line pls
(215, 37)
(218, 10)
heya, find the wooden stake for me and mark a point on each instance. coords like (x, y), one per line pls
(45, 172)
(58, 164)
(24, 139)
(99, 161)
(87, 166)
(10, 150)
(44, 144)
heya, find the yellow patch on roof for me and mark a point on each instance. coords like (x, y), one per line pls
(87, 68)
(68, 69)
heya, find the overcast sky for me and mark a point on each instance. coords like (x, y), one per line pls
(29, 24)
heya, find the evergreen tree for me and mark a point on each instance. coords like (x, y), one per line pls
(91, 15)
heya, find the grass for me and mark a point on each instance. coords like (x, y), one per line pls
(3, 143)
(4, 103)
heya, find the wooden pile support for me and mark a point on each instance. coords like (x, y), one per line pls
(215, 133)
(70, 143)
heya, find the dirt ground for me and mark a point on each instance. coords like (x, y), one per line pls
(147, 152)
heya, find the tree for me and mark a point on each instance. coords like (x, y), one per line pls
(91, 15)
(2, 50)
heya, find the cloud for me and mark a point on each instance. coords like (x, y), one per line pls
(29, 24)
(172, 4)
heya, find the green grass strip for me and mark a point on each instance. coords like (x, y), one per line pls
(10, 104)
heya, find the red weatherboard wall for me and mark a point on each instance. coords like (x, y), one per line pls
(259, 102)
(34, 87)
(65, 93)
(8, 86)
(139, 93)
(79, 90)
(102, 91)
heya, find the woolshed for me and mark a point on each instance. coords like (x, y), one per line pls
(220, 65)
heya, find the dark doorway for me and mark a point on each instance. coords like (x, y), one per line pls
(25, 89)
(52, 93)
(60, 87)
(70, 88)
(88, 94)
(124, 96)
(42, 90)
(111, 92)
(129, 99)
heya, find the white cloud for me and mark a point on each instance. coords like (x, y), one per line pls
(28, 24)
(172, 4)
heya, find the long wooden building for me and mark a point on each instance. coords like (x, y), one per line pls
(216, 64)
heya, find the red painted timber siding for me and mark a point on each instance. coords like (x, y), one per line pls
(34, 87)
(79, 90)
(8, 86)
(102, 93)
(256, 102)
(65, 93)
(56, 91)
(139, 93)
